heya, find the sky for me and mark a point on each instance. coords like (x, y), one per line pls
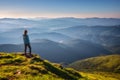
(59, 8)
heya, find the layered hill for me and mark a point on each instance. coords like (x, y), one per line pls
(107, 36)
(68, 52)
(109, 63)
(105, 67)
(15, 66)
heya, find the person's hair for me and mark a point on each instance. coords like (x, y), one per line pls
(25, 31)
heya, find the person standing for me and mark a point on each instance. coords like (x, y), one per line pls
(26, 44)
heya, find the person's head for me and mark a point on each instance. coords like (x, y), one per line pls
(25, 32)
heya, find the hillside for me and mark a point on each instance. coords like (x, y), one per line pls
(110, 63)
(14, 66)
(99, 68)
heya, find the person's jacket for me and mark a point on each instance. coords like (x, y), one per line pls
(26, 39)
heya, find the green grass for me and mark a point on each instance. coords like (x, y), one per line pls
(110, 63)
(15, 66)
(98, 75)
(105, 67)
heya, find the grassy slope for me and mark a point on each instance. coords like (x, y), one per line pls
(14, 66)
(101, 67)
(97, 75)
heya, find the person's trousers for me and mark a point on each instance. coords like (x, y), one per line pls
(27, 46)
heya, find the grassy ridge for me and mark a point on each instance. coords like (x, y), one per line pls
(109, 63)
(14, 66)
(99, 68)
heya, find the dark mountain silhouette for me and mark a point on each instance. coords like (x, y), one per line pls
(10, 48)
(86, 48)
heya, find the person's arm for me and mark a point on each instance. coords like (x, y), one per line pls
(24, 39)
(27, 39)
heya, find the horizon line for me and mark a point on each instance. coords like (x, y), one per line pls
(54, 17)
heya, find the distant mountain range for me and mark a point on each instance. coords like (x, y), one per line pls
(54, 36)
(107, 36)
(55, 23)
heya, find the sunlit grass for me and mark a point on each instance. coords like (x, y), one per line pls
(95, 75)
(15, 66)
(105, 67)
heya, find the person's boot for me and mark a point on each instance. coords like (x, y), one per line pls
(31, 55)
(27, 55)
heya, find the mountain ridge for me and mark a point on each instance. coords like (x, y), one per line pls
(108, 63)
